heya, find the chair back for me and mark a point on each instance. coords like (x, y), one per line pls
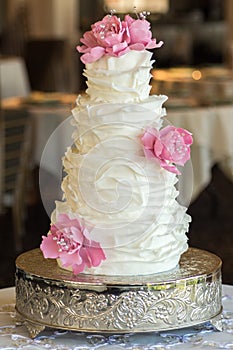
(16, 129)
(2, 147)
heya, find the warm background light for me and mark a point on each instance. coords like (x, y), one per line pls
(196, 75)
(127, 6)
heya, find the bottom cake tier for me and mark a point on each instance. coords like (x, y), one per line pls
(48, 296)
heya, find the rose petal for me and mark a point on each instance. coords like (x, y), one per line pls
(129, 20)
(118, 48)
(49, 247)
(89, 39)
(78, 268)
(70, 259)
(148, 139)
(158, 148)
(137, 47)
(77, 235)
(92, 256)
(148, 153)
(92, 56)
(187, 136)
(154, 45)
(114, 39)
(172, 169)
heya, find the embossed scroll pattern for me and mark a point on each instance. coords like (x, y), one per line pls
(135, 310)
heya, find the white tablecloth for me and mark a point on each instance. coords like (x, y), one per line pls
(212, 129)
(13, 335)
(52, 135)
(14, 79)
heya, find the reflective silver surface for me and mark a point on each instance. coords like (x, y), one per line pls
(47, 296)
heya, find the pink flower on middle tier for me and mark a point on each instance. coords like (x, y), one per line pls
(169, 145)
(70, 241)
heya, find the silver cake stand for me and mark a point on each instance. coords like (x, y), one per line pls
(48, 296)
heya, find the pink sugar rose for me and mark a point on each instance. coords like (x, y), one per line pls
(109, 36)
(114, 37)
(140, 34)
(69, 241)
(169, 145)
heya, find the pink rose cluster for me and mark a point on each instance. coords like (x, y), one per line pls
(69, 241)
(114, 37)
(169, 145)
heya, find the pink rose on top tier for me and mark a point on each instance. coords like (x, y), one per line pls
(114, 37)
(69, 241)
(140, 34)
(169, 145)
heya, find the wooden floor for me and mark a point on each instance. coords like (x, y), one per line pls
(211, 228)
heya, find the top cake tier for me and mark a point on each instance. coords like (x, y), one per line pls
(117, 61)
(120, 79)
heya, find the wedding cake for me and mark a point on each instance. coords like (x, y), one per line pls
(119, 214)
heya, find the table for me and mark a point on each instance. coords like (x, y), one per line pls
(212, 129)
(206, 85)
(52, 135)
(200, 100)
(13, 335)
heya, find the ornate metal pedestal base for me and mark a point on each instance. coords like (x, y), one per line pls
(47, 296)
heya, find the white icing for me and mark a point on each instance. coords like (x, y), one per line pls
(120, 79)
(127, 201)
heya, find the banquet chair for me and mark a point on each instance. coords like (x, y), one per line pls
(16, 130)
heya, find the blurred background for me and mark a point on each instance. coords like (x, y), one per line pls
(41, 76)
